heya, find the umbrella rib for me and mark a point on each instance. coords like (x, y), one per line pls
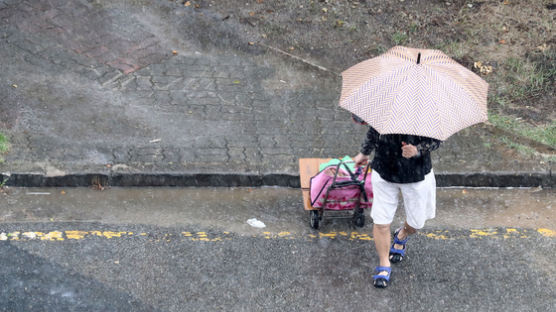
(388, 106)
(395, 94)
(373, 84)
(390, 122)
(446, 84)
(367, 77)
(434, 125)
(467, 85)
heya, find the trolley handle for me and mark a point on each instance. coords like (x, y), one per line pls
(354, 181)
(345, 183)
(357, 171)
(354, 176)
(351, 174)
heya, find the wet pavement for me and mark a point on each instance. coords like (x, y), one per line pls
(175, 249)
(128, 91)
(125, 92)
(281, 209)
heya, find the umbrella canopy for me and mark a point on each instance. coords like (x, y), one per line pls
(414, 91)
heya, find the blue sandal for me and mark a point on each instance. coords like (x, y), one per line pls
(396, 255)
(381, 281)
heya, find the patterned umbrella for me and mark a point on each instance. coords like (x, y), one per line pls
(414, 91)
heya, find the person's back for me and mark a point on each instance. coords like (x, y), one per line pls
(401, 163)
(393, 167)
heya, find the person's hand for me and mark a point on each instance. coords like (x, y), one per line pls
(361, 159)
(409, 150)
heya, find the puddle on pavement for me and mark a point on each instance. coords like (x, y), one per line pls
(281, 209)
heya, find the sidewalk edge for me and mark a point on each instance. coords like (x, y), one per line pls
(482, 179)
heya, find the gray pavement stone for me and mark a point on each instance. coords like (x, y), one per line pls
(98, 82)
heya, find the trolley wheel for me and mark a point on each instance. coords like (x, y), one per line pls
(315, 218)
(359, 218)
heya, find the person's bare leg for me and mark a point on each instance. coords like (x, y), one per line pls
(381, 235)
(404, 232)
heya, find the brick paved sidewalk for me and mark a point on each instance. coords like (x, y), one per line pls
(113, 87)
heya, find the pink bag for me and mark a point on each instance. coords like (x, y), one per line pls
(345, 191)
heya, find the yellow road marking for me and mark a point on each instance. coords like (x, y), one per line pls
(55, 235)
(75, 234)
(506, 233)
(547, 232)
(356, 235)
(482, 233)
(110, 234)
(30, 235)
(436, 236)
(329, 235)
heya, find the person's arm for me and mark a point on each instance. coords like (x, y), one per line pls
(428, 145)
(371, 140)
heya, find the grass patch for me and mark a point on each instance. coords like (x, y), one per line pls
(522, 149)
(502, 101)
(4, 146)
(455, 49)
(399, 38)
(542, 78)
(543, 134)
(525, 150)
(413, 28)
(530, 79)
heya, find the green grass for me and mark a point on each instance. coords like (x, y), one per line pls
(399, 38)
(380, 49)
(500, 100)
(4, 146)
(514, 64)
(543, 134)
(541, 78)
(530, 79)
(413, 28)
(525, 150)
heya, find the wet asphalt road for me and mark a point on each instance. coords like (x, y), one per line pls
(120, 257)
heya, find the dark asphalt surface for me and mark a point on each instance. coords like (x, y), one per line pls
(166, 271)
(190, 249)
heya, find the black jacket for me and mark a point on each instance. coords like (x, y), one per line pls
(389, 162)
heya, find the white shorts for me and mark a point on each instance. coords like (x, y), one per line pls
(419, 200)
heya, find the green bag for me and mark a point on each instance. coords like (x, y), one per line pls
(335, 161)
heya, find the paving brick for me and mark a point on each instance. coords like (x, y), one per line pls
(211, 155)
(213, 111)
(143, 83)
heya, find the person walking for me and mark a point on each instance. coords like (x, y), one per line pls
(412, 98)
(401, 163)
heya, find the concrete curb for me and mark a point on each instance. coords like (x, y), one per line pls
(483, 179)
